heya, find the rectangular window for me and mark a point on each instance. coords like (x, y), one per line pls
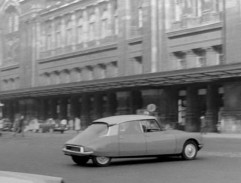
(91, 31)
(201, 61)
(58, 36)
(182, 64)
(116, 22)
(137, 65)
(104, 28)
(80, 34)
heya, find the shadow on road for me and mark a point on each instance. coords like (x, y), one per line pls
(138, 161)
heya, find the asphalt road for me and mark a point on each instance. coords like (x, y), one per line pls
(218, 162)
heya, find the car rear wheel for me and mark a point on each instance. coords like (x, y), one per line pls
(80, 160)
(189, 151)
(101, 160)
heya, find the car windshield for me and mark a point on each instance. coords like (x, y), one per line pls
(97, 129)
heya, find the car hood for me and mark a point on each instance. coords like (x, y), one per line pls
(16, 177)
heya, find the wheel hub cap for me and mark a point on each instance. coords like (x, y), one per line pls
(190, 150)
(102, 160)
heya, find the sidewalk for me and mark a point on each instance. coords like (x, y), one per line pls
(222, 135)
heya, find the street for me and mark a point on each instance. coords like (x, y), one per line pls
(40, 153)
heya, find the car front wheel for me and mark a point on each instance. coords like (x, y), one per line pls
(101, 161)
(189, 151)
(80, 160)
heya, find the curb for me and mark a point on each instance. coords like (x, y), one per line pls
(218, 135)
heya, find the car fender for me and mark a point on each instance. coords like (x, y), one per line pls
(105, 146)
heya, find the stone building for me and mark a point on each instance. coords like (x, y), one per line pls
(96, 58)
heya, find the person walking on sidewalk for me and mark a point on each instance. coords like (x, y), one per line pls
(19, 125)
(204, 126)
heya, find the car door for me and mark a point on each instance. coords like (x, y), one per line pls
(131, 139)
(158, 141)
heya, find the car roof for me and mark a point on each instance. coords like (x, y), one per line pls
(112, 120)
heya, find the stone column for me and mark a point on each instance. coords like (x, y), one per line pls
(123, 99)
(53, 108)
(6, 109)
(74, 106)
(85, 110)
(41, 106)
(15, 108)
(124, 32)
(111, 104)
(192, 114)
(172, 105)
(63, 108)
(136, 101)
(97, 106)
(212, 107)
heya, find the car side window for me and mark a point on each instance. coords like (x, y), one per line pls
(150, 126)
(131, 127)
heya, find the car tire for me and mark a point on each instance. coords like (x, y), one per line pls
(190, 150)
(80, 160)
(101, 161)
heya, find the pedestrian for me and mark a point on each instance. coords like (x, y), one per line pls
(77, 124)
(204, 126)
(19, 125)
(63, 125)
(71, 123)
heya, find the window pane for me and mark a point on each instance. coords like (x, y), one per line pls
(150, 126)
(132, 127)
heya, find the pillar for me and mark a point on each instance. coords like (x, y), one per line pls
(85, 110)
(123, 100)
(97, 106)
(111, 104)
(53, 108)
(212, 107)
(74, 106)
(124, 27)
(172, 105)
(192, 114)
(136, 101)
(63, 108)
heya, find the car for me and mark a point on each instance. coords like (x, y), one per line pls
(60, 128)
(126, 136)
(17, 177)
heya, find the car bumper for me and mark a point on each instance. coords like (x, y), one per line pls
(81, 153)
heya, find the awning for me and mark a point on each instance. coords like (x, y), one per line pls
(167, 78)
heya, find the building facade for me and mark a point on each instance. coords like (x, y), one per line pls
(96, 58)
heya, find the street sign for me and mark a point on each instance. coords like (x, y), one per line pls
(151, 107)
